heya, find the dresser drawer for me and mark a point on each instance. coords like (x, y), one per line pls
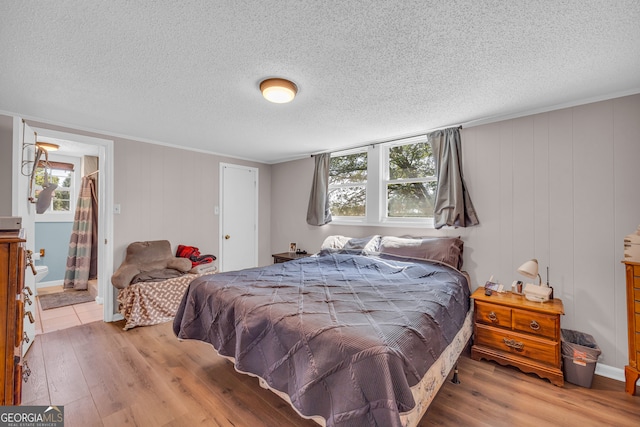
(538, 349)
(491, 314)
(636, 271)
(530, 322)
(636, 294)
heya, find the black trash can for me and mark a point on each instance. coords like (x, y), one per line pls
(580, 353)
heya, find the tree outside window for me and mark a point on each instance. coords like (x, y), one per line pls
(411, 184)
(406, 188)
(348, 185)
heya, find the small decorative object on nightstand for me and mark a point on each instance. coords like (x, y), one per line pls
(511, 330)
(288, 256)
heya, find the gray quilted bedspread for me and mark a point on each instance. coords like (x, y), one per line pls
(345, 336)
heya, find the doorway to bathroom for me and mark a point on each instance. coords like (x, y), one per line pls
(71, 145)
(68, 294)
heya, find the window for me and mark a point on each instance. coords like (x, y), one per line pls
(384, 184)
(63, 177)
(64, 171)
(411, 183)
(348, 185)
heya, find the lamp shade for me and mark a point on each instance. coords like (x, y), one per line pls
(279, 91)
(529, 269)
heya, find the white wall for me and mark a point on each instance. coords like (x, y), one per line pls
(560, 186)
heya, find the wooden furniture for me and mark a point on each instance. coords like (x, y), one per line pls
(632, 370)
(12, 267)
(287, 256)
(512, 330)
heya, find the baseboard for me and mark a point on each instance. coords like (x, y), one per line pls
(611, 372)
(50, 284)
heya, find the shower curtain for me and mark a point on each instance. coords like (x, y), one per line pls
(82, 259)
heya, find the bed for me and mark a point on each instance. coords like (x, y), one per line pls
(362, 333)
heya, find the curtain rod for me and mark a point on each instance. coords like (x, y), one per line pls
(373, 144)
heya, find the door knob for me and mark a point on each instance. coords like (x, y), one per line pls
(227, 237)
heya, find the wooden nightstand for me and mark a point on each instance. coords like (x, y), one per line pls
(511, 330)
(287, 256)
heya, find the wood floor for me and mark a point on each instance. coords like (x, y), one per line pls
(145, 377)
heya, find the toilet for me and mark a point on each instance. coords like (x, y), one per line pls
(41, 272)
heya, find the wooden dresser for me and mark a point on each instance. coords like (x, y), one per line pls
(632, 370)
(12, 267)
(512, 330)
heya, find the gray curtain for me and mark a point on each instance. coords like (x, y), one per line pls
(453, 205)
(318, 212)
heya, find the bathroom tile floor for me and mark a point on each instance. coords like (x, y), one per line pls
(64, 317)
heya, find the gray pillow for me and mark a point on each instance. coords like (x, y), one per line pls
(447, 250)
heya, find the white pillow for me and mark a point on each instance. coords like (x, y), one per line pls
(334, 242)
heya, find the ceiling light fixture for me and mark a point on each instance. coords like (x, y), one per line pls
(279, 91)
(47, 146)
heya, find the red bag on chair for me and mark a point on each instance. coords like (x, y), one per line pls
(193, 253)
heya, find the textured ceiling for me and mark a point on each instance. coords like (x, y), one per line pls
(186, 73)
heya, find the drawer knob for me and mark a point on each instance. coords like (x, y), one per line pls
(492, 316)
(519, 346)
(534, 325)
(26, 371)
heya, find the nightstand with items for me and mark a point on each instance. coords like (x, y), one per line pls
(288, 256)
(511, 330)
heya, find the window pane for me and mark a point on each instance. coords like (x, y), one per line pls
(348, 169)
(61, 201)
(411, 161)
(61, 205)
(348, 201)
(411, 200)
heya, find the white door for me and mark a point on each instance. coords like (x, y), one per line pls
(24, 141)
(238, 217)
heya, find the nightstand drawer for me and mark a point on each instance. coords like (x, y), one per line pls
(636, 294)
(540, 350)
(491, 314)
(535, 323)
